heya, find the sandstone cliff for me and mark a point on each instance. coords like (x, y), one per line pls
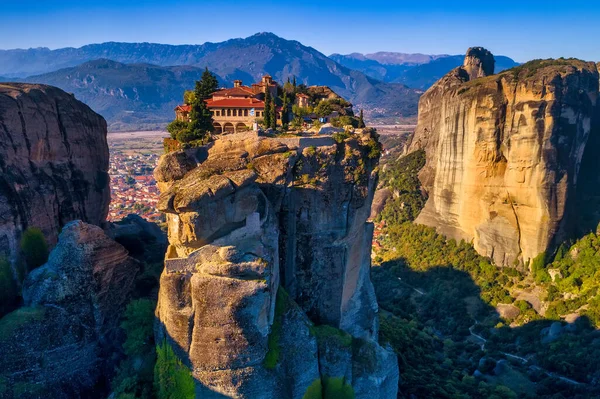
(266, 287)
(66, 338)
(53, 163)
(503, 152)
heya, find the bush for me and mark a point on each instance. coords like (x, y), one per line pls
(138, 323)
(8, 287)
(337, 388)
(172, 379)
(329, 333)
(281, 305)
(34, 248)
(314, 391)
(176, 127)
(339, 137)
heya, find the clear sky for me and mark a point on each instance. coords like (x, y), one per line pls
(521, 29)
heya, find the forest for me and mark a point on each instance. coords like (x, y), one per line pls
(464, 328)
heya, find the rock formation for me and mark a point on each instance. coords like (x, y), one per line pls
(67, 335)
(53, 163)
(266, 287)
(504, 152)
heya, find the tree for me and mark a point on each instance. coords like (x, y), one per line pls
(176, 127)
(8, 287)
(285, 110)
(267, 112)
(201, 118)
(172, 379)
(361, 121)
(34, 248)
(189, 96)
(273, 117)
(323, 109)
(294, 82)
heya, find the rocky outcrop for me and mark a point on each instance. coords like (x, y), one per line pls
(66, 339)
(268, 240)
(53, 163)
(503, 152)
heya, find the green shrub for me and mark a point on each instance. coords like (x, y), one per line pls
(314, 391)
(281, 305)
(329, 333)
(176, 127)
(138, 322)
(374, 148)
(18, 319)
(339, 137)
(337, 388)
(538, 268)
(8, 287)
(34, 248)
(172, 379)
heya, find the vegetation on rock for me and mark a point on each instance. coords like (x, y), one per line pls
(8, 287)
(281, 306)
(172, 379)
(197, 129)
(34, 248)
(436, 293)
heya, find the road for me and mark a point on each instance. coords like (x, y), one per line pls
(483, 341)
(522, 359)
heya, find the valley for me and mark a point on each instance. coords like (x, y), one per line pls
(249, 218)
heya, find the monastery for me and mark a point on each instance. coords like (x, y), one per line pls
(236, 109)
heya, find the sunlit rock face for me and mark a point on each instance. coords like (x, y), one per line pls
(503, 153)
(53, 163)
(248, 217)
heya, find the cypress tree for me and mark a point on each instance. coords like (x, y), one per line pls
(294, 82)
(285, 109)
(201, 118)
(361, 121)
(267, 113)
(273, 118)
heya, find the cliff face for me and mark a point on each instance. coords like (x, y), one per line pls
(67, 335)
(269, 246)
(53, 163)
(503, 152)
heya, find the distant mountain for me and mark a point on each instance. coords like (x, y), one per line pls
(123, 88)
(129, 96)
(418, 71)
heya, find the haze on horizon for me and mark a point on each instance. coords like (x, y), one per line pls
(537, 29)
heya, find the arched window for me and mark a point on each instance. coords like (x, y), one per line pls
(245, 112)
(228, 112)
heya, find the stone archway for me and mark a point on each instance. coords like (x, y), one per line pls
(241, 127)
(228, 128)
(218, 129)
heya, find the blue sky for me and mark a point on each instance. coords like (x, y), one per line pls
(523, 30)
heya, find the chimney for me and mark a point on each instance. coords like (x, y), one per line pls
(267, 79)
(237, 83)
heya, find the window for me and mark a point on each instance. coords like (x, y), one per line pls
(217, 113)
(235, 112)
(228, 112)
(245, 112)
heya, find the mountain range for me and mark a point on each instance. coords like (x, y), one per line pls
(418, 71)
(137, 85)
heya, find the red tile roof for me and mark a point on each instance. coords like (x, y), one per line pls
(184, 108)
(236, 103)
(240, 91)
